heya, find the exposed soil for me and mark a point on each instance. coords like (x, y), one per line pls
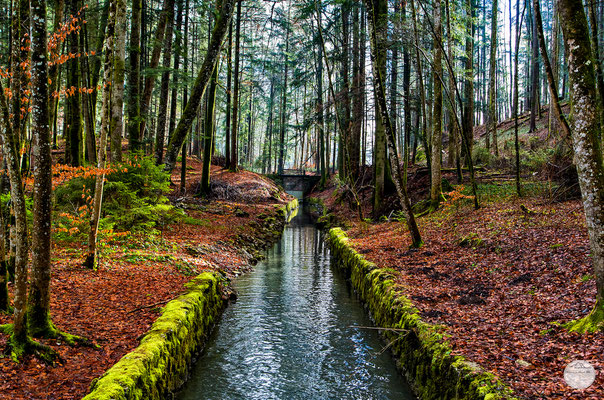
(116, 305)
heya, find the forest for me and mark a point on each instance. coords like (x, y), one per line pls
(456, 145)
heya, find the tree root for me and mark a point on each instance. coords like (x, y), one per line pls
(53, 333)
(19, 348)
(593, 322)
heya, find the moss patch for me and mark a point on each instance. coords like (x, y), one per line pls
(159, 365)
(426, 360)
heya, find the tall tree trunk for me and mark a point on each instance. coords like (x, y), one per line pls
(53, 70)
(283, 130)
(586, 130)
(208, 134)
(162, 117)
(469, 81)
(492, 117)
(437, 133)
(593, 24)
(88, 108)
(422, 91)
(116, 128)
(534, 76)
(406, 98)
(235, 121)
(207, 69)
(167, 14)
(515, 101)
(19, 338)
(323, 159)
(380, 20)
(378, 81)
(345, 136)
(227, 128)
(553, 88)
(73, 152)
(357, 96)
(134, 91)
(91, 260)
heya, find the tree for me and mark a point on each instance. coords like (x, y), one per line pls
(117, 82)
(162, 116)
(437, 134)
(492, 116)
(91, 260)
(134, 101)
(380, 170)
(73, 113)
(378, 82)
(586, 130)
(233, 166)
(177, 138)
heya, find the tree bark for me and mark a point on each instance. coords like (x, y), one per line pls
(437, 133)
(38, 309)
(162, 117)
(235, 121)
(492, 116)
(116, 128)
(586, 129)
(10, 153)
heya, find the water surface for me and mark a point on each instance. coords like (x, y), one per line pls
(289, 334)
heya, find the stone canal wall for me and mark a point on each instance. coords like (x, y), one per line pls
(421, 353)
(159, 365)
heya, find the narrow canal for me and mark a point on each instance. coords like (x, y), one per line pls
(290, 334)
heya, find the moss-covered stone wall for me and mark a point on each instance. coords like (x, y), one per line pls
(420, 351)
(159, 364)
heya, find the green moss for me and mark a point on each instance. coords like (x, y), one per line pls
(159, 364)
(591, 323)
(424, 357)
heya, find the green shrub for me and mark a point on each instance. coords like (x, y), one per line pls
(133, 196)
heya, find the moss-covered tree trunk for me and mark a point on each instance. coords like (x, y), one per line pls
(378, 82)
(116, 127)
(177, 138)
(38, 309)
(586, 130)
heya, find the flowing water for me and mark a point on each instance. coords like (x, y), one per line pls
(290, 334)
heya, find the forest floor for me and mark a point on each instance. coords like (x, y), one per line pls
(500, 280)
(115, 305)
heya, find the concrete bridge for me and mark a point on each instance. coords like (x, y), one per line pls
(297, 180)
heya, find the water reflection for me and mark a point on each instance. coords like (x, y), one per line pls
(289, 336)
